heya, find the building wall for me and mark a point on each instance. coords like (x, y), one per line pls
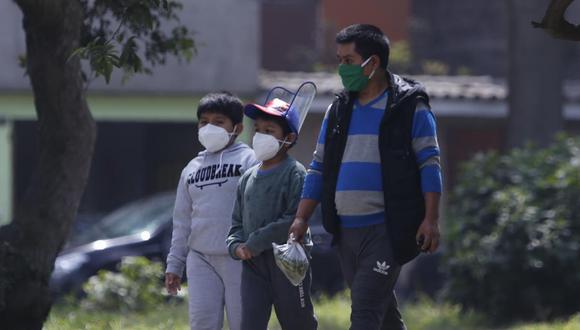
(303, 150)
(299, 34)
(13, 45)
(461, 138)
(131, 161)
(391, 16)
(473, 35)
(289, 35)
(228, 51)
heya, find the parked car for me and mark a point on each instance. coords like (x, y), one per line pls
(143, 228)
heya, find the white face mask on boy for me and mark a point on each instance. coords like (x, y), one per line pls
(214, 138)
(266, 146)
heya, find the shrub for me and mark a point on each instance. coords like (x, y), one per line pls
(513, 234)
(137, 286)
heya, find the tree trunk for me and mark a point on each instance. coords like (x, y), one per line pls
(30, 244)
(536, 73)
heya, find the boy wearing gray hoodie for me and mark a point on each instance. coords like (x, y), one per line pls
(266, 202)
(202, 215)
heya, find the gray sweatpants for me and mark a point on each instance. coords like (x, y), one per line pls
(371, 272)
(264, 285)
(213, 282)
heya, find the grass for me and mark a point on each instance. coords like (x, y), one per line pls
(333, 314)
(571, 324)
(69, 317)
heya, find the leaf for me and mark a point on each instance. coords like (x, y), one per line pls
(107, 71)
(513, 223)
(129, 58)
(22, 60)
(81, 52)
(113, 31)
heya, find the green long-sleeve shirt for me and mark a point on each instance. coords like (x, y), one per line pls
(265, 206)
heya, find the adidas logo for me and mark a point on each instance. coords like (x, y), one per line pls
(382, 268)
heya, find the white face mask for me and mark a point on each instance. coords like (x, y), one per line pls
(266, 146)
(214, 138)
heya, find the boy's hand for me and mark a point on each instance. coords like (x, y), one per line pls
(298, 229)
(243, 252)
(172, 283)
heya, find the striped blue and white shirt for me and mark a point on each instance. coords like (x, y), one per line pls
(359, 192)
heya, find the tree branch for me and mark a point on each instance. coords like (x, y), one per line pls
(555, 24)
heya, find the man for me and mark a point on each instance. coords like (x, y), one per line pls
(377, 175)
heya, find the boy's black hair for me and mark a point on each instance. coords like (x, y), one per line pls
(224, 103)
(280, 121)
(368, 40)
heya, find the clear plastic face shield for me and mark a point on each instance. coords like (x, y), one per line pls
(300, 102)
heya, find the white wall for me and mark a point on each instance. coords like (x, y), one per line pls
(228, 38)
(12, 44)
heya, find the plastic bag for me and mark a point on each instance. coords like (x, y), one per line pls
(292, 260)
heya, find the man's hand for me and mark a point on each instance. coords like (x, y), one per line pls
(243, 252)
(172, 283)
(298, 229)
(428, 235)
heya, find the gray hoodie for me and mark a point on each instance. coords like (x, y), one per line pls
(204, 203)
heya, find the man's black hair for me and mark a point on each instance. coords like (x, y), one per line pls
(280, 121)
(368, 40)
(224, 103)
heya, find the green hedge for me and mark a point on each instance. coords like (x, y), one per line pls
(137, 286)
(513, 234)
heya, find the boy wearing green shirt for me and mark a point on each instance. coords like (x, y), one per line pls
(266, 202)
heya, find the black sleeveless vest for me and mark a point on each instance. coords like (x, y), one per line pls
(404, 201)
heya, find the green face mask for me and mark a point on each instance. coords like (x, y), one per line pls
(352, 76)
